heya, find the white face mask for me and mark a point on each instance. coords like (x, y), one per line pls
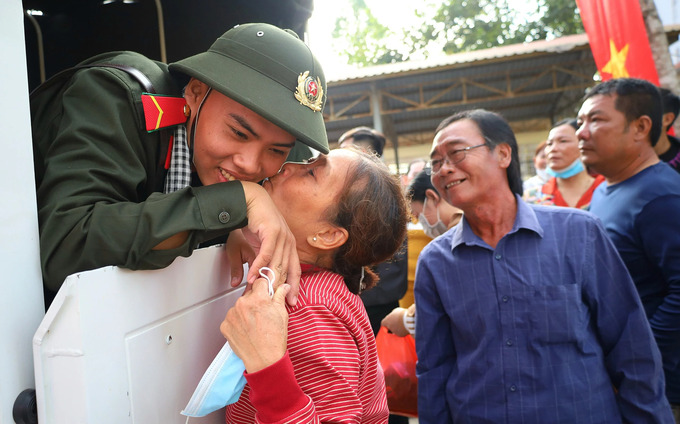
(431, 230)
(542, 174)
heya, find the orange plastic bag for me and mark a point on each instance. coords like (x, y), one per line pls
(397, 356)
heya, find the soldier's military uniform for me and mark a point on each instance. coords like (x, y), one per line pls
(100, 172)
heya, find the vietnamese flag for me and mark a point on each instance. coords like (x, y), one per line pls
(618, 39)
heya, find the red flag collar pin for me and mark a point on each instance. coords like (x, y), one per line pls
(162, 111)
(309, 92)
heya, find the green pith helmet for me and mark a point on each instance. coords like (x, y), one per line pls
(270, 71)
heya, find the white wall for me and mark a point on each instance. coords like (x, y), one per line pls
(21, 298)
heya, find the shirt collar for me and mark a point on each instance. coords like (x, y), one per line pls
(310, 269)
(525, 219)
(179, 171)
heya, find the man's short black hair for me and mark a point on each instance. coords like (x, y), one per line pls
(671, 104)
(365, 135)
(419, 185)
(634, 98)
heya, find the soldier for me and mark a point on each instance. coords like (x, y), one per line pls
(131, 179)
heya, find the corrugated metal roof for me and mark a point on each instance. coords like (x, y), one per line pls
(556, 45)
(522, 81)
(528, 81)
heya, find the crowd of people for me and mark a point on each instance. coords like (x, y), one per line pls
(517, 307)
(550, 300)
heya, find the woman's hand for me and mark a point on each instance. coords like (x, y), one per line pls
(268, 233)
(257, 326)
(394, 322)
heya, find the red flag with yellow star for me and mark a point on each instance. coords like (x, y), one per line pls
(618, 39)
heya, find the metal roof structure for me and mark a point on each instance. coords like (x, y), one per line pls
(541, 80)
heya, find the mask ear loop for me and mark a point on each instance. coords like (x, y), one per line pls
(436, 208)
(362, 286)
(192, 137)
(269, 279)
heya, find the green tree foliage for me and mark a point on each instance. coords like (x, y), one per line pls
(364, 37)
(455, 26)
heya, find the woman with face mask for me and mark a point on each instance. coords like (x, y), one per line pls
(540, 163)
(317, 361)
(570, 184)
(434, 214)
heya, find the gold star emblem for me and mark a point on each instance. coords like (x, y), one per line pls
(617, 61)
(309, 92)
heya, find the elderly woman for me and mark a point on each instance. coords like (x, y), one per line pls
(317, 361)
(570, 184)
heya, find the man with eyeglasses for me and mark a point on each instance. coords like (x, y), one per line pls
(526, 313)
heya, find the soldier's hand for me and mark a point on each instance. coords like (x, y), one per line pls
(273, 241)
(238, 252)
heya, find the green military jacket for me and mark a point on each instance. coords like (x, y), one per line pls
(100, 175)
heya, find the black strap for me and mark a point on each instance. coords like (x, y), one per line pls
(143, 80)
(134, 72)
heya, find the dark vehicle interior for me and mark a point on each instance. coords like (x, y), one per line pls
(59, 34)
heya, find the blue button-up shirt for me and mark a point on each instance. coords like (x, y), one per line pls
(545, 328)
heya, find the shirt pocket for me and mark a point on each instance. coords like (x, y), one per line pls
(556, 313)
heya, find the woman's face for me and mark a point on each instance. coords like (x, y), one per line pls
(416, 208)
(562, 147)
(428, 209)
(540, 161)
(304, 193)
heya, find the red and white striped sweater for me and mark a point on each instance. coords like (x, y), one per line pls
(330, 372)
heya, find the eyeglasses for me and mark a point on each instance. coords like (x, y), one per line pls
(452, 157)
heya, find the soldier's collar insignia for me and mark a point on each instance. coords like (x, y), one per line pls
(162, 111)
(309, 92)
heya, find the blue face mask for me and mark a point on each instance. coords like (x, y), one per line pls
(223, 381)
(569, 171)
(220, 386)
